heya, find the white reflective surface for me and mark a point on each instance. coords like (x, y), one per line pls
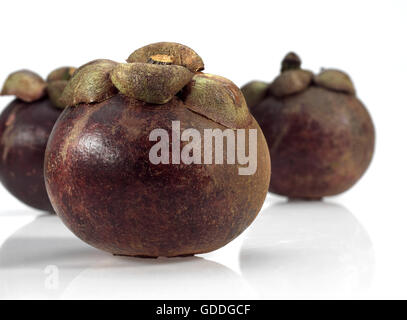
(44, 260)
(293, 250)
(307, 249)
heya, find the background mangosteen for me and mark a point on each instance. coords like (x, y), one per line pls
(98, 172)
(25, 125)
(320, 135)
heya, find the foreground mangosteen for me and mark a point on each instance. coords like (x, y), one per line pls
(25, 126)
(126, 168)
(320, 136)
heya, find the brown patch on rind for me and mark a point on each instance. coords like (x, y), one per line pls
(75, 132)
(218, 99)
(181, 55)
(25, 85)
(290, 82)
(6, 138)
(335, 80)
(150, 83)
(90, 83)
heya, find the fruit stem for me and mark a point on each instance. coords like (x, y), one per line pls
(162, 59)
(290, 62)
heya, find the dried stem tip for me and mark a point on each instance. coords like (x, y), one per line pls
(181, 55)
(290, 62)
(162, 59)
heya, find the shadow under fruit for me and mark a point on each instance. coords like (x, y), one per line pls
(98, 172)
(25, 125)
(319, 134)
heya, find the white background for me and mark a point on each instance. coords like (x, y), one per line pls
(351, 246)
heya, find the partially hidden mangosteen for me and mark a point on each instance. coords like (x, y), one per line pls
(116, 190)
(320, 135)
(25, 125)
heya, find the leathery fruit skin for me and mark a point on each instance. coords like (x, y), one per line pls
(25, 125)
(106, 190)
(24, 131)
(106, 180)
(321, 138)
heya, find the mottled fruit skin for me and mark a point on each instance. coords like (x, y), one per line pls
(104, 187)
(320, 141)
(24, 131)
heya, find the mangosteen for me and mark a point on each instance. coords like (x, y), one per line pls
(320, 135)
(25, 125)
(126, 167)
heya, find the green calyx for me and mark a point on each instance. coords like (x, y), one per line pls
(290, 82)
(155, 74)
(63, 73)
(90, 83)
(293, 79)
(57, 80)
(218, 99)
(335, 80)
(29, 86)
(25, 85)
(151, 83)
(254, 92)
